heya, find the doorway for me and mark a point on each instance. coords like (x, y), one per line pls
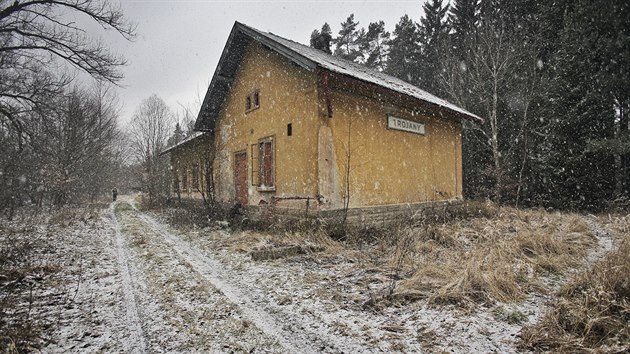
(240, 177)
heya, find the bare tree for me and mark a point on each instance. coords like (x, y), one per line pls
(76, 144)
(39, 42)
(37, 35)
(149, 131)
(70, 151)
(481, 81)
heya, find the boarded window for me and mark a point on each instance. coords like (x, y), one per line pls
(265, 163)
(256, 99)
(208, 178)
(255, 164)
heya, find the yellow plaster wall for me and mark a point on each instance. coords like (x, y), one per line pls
(391, 166)
(288, 94)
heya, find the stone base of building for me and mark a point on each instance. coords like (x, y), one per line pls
(372, 216)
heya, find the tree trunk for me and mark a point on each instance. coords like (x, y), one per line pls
(496, 154)
(622, 160)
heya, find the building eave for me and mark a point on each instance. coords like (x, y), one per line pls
(310, 59)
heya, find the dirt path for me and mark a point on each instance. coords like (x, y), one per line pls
(134, 343)
(294, 332)
(604, 240)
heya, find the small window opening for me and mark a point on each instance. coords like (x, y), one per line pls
(248, 103)
(252, 101)
(289, 129)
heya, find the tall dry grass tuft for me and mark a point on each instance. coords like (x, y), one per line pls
(592, 313)
(487, 275)
(481, 260)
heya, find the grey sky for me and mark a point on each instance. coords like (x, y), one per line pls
(179, 42)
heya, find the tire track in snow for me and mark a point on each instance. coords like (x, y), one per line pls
(135, 340)
(289, 329)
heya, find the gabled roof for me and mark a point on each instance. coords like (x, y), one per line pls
(306, 57)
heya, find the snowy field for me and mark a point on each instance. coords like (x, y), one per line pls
(121, 280)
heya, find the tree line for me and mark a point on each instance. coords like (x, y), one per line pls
(60, 134)
(60, 138)
(550, 80)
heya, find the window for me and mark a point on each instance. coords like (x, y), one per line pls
(265, 164)
(289, 129)
(184, 180)
(195, 176)
(175, 182)
(256, 99)
(252, 101)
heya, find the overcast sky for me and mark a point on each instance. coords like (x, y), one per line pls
(179, 42)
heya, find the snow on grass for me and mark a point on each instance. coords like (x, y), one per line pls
(75, 308)
(342, 289)
(120, 280)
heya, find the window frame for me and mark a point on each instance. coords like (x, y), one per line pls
(252, 101)
(262, 182)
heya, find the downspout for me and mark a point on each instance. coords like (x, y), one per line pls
(325, 76)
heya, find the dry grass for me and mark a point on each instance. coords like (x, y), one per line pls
(475, 254)
(592, 313)
(470, 254)
(618, 225)
(71, 214)
(483, 260)
(131, 225)
(246, 241)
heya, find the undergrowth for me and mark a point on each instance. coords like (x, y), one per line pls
(21, 273)
(28, 265)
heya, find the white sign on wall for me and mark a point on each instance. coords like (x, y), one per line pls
(404, 125)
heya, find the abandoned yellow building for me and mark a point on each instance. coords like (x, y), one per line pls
(288, 125)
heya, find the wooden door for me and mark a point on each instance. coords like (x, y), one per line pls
(240, 177)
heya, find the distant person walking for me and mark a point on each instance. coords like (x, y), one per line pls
(114, 194)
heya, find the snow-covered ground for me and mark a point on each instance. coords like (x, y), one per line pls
(130, 283)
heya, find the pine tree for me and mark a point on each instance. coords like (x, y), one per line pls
(178, 135)
(347, 43)
(585, 136)
(374, 46)
(464, 18)
(314, 35)
(404, 51)
(434, 28)
(321, 39)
